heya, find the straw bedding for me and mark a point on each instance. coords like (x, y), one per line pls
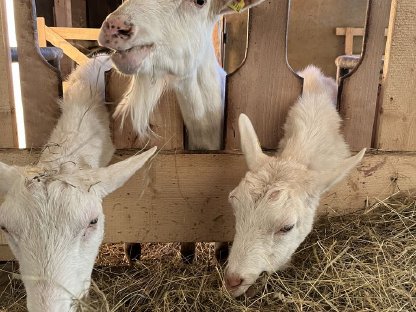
(364, 261)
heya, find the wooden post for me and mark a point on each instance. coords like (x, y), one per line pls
(63, 13)
(264, 87)
(8, 129)
(359, 89)
(235, 45)
(40, 82)
(397, 114)
(41, 26)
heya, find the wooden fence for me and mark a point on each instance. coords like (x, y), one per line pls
(185, 194)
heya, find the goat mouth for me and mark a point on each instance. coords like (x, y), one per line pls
(130, 60)
(134, 49)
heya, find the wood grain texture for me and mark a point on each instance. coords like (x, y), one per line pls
(8, 130)
(166, 121)
(40, 82)
(264, 87)
(63, 12)
(235, 45)
(5, 253)
(79, 13)
(397, 116)
(69, 50)
(41, 27)
(350, 33)
(359, 89)
(77, 33)
(184, 197)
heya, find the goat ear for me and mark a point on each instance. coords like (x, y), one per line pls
(233, 6)
(250, 143)
(329, 178)
(8, 174)
(108, 179)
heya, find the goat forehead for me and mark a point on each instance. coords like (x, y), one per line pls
(49, 201)
(153, 10)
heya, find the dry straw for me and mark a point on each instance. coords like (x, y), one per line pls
(365, 261)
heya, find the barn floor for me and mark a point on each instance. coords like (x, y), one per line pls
(362, 262)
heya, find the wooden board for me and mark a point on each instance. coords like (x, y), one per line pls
(5, 253)
(79, 13)
(63, 13)
(8, 130)
(40, 82)
(397, 115)
(166, 120)
(183, 197)
(359, 89)
(264, 87)
(69, 50)
(350, 33)
(77, 33)
(235, 45)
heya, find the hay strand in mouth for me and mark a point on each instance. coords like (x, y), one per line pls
(364, 261)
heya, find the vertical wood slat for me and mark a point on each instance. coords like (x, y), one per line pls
(41, 27)
(397, 116)
(359, 89)
(63, 13)
(349, 42)
(40, 82)
(8, 129)
(236, 41)
(166, 121)
(264, 87)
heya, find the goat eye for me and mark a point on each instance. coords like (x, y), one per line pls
(93, 222)
(287, 228)
(4, 229)
(200, 2)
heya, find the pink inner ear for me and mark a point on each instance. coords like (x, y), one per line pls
(274, 195)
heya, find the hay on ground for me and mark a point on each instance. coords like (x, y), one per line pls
(364, 261)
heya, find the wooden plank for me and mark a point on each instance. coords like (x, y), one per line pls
(359, 89)
(40, 82)
(397, 116)
(68, 49)
(6, 253)
(69, 33)
(264, 87)
(183, 197)
(349, 42)
(41, 27)
(79, 13)
(63, 13)
(359, 32)
(166, 120)
(8, 129)
(235, 46)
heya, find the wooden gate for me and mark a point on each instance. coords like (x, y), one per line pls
(185, 194)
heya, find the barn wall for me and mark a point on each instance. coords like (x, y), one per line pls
(312, 26)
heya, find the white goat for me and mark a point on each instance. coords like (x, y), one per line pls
(52, 214)
(168, 43)
(275, 203)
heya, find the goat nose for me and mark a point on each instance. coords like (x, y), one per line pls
(117, 27)
(233, 281)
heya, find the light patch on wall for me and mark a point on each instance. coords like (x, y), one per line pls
(11, 29)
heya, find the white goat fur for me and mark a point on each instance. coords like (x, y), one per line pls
(52, 213)
(171, 47)
(284, 191)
